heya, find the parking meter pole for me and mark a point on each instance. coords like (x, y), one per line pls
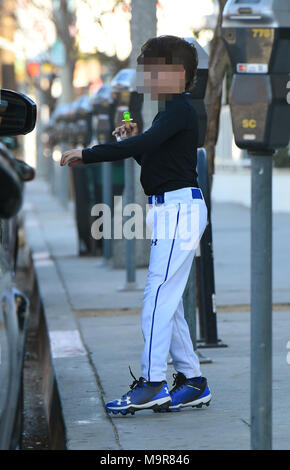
(261, 303)
(205, 268)
(41, 162)
(189, 304)
(129, 196)
(130, 244)
(107, 200)
(63, 190)
(257, 35)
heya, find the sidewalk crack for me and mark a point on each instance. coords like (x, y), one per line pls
(101, 390)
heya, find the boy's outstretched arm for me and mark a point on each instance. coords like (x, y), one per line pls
(165, 126)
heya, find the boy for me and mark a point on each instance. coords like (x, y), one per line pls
(167, 155)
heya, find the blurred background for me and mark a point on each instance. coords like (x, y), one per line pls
(57, 51)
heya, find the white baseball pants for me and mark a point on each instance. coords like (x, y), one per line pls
(176, 228)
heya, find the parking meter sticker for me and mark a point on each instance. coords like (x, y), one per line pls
(252, 68)
(249, 136)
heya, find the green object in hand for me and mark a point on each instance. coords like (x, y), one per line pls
(127, 117)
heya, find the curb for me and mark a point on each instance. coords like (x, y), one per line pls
(67, 368)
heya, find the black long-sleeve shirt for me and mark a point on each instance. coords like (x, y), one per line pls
(167, 151)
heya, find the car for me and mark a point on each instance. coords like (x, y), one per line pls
(17, 117)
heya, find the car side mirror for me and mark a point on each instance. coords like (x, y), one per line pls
(17, 113)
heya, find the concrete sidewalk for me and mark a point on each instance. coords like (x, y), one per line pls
(95, 335)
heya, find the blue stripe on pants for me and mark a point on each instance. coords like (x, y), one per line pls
(156, 297)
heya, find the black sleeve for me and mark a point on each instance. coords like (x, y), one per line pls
(137, 158)
(169, 122)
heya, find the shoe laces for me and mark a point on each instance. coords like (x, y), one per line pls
(178, 382)
(136, 383)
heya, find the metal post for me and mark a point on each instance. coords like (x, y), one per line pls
(261, 302)
(189, 304)
(130, 244)
(205, 267)
(41, 163)
(53, 174)
(63, 180)
(107, 199)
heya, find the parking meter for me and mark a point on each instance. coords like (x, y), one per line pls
(48, 137)
(257, 36)
(197, 93)
(103, 108)
(126, 97)
(80, 180)
(59, 179)
(104, 112)
(60, 124)
(204, 263)
(82, 117)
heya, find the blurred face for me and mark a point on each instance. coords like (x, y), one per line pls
(160, 79)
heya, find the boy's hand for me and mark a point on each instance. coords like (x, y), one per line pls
(72, 157)
(129, 129)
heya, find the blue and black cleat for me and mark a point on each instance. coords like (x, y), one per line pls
(188, 392)
(141, 396)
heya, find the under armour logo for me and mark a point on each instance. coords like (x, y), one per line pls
(154, 242)
(166, 389)
(126, 400)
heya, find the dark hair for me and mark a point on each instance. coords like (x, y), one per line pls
(175, 50)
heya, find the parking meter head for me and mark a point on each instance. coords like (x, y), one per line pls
(197, 92)
(102, 100)
(126, 98)
(260, 114)
(256, 12)
(123, 84)
(83, 106)
(257, 36)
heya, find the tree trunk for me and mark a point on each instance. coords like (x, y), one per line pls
(63, 18)
(218, 61)
(143, 26)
